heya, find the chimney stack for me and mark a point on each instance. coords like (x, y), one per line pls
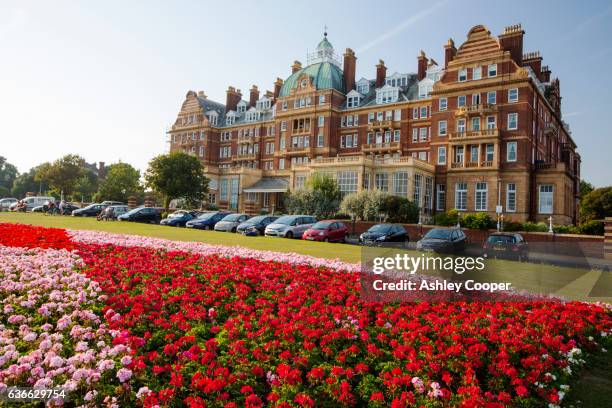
(201, 94)
(350, 64)
(254, 96)
(545, 75)
(277, 87)
(232, 97)
(422, 65)
(449, 52)
(297, 65)
(381, 73)
(534, 60)
(511, 40)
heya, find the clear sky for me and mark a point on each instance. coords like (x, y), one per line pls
(106, 79)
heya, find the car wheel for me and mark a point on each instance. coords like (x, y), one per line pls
(233, 230)
(289, 235)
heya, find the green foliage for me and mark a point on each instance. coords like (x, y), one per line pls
(26, 182)
(63, 174)
(585, 188)
(377, 205)
(533, 227)
(481, 221)
(448, 218)
(400, 209)
(512, 226)
(596, 205)
(8, 174)
(85, 187)
(320, 198)
(122, 181)
(591, 228)
(177, 175)
(354, 205)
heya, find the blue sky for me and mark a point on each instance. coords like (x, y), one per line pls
(106, 79)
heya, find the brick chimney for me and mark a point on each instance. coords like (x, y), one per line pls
(534, 60)
(232, 97)
(297, 65)
(449, 52)
(511, 40)
(350, 64)
(381, 73)
(422, 65)
(101, 170)
(201, 94)
(277, 87)
(254, 96)
(545, 74)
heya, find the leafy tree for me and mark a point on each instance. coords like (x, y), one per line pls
(377, 205)
(27, 182)
(177, 175)
(321, 197)
(596, 205)
(63, 174)
(86, 186)
(122, 180)
(8, 174)
(585, 188)
(355, 204)
(400, 209)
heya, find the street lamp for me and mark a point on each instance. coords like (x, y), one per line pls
(550, 229)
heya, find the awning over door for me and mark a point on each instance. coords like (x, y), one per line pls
(269, 185)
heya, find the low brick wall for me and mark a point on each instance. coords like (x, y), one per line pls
(568, 244)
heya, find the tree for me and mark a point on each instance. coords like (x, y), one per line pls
(63, 174)
(177, 175)
(8, 174)
(585, 188)
(122, 180)
(596, 205)
(320, 197)
(27, 182)
(86, 186)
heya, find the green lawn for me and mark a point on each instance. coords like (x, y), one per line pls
(570, 283)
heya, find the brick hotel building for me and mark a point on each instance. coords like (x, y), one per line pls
(481, 130)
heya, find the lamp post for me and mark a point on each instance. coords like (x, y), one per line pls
(550, 228)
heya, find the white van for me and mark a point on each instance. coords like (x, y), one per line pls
(32, 202)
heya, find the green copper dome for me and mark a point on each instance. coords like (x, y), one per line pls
(324, 75)
(324, 44)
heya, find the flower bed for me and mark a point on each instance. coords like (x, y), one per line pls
(222, 326)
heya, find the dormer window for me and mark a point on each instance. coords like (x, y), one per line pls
(462, 75)
(387, 94)
(492, 71)
(251, 115)
(242, 105)
(397, 80)
(353, 99)
(363, 86)
(212, 117)
(263, 104)
(477, 73)
(425, 90)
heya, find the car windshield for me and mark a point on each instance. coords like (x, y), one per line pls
(380, 228)
(500, 239)
(134, 211)
(287, 220)
(438, 234)
(177, 215)
(90, 206)
(232, 217)
(206, 216)
(321, 225)
(256, 220)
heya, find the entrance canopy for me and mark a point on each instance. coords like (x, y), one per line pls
(269, 185)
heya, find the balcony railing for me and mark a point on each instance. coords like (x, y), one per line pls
(246, 156)
(372, 147)
(475, 134)
(457, 165)
(299, 150)
(384, 124)
(471, 164)
(488, 163)
(482, 108)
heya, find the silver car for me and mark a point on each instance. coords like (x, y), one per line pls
(230, 222)
(290, 226)
(5, 203)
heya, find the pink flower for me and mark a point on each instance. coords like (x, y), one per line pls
(124, 374)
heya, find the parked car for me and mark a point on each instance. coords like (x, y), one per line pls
(290, 226)
(381, 233)
(39, 208)
(256, 225)
(505, 245)
(207, 220)
(112, 212)
(107, 202)
(68, 208)
(329, 231)
(179, 218)
(31, 202)
(92, 210)
(443, 240)
(142, 214)
(6, 203)
(230, 222)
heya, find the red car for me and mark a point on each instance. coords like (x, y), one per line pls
(328, 231)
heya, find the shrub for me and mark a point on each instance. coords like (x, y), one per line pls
(533, 227)
(448, 218)
(512, 226)
(591, 228)
(480, 221)
(400, 209)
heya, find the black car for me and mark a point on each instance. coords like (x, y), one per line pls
(505, 245)
(67, 208)
(92, 210)
(207, 220)
(255, 225)
(443, 240)
(381, 233)
(179, 218)
(142, 214)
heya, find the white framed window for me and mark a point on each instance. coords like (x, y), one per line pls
(415, 134)
(492, 70)
(281, 164)
(512, 121)
(461, 196)
(513, 95)
(417, 187)
(423, 112)
(442, 128)
(423, 134)
(370, 117)
(321, 121)
(415, 113)
(223, 190)
(476, 124)
(347, 182)
(352, 101)
(397, 115)
(476, 99)
(400, 183)
(490, 152)
(442, 155)
(474, 153)
(491, 122)
(283, 125)
(461, 101)
(201, 152)
(440, 197)
(459, 154)
(545, 201)
(481, 197)
(320, 140)
(423, 156)
(492, 97)
(203, 135)
(321, 99)
(442, 104)
(382, 181)
(396, 135)
(511, 197)
(477, 73)
(460, 125)
(462, 76)
(511, 153)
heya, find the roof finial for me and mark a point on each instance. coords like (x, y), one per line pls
(325, 31)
